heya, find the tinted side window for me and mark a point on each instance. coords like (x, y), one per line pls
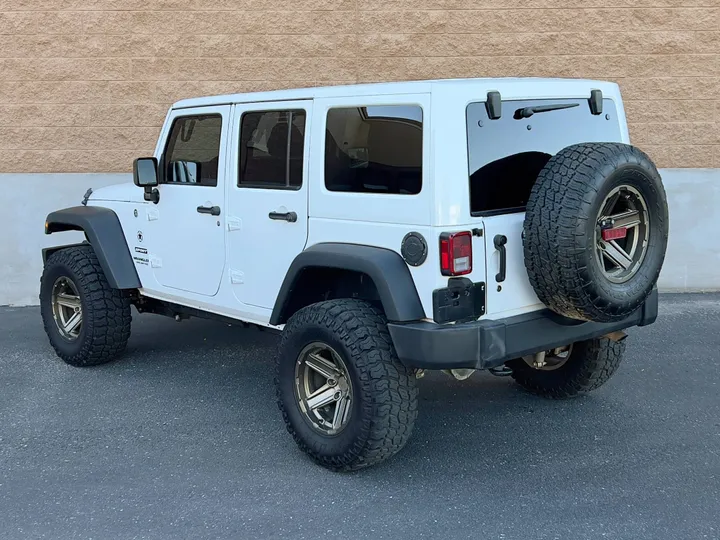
(374, 149)
(271, 149)
(193, 150)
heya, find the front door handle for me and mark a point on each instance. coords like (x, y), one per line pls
(212, 210)
(500, 240)
(290, 217)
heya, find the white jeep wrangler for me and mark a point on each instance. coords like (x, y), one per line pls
(384, 229)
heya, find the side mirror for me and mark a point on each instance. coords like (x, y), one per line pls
(145, 172)
(145, 176)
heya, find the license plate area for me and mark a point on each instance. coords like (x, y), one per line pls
(462, 300)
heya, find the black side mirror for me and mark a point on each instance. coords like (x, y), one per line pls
(145, 175)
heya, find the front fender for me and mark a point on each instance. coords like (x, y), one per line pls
(104, 233)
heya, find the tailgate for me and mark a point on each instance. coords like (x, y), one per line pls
(505, 156)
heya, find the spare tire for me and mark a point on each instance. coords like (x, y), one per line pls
(595, 231)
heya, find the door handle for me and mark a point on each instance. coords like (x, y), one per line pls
(500, 240)
(212, 210)
(290, 217)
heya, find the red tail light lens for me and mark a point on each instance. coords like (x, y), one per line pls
(614, 234)
(456, 253)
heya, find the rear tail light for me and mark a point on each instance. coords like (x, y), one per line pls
(456, 253)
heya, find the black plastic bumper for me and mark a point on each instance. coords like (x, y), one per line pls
(489, 343)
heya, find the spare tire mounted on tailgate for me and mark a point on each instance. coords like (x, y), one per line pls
(595, 231)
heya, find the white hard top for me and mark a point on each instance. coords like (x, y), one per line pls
(521, 88)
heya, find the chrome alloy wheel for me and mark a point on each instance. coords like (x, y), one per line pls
(549, 360)
(323, 388)
(67, 308)
(621, 234)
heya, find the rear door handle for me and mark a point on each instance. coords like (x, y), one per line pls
(500, 240)
(212, 210)
(290, 217)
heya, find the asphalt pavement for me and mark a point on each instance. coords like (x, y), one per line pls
(181, 438)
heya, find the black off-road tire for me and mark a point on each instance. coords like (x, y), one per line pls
(384, 403)
(106, 311)
(590, 365)
(560, 227)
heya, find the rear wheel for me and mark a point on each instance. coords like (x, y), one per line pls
(345, 397)
(570, 371)
(87, 321)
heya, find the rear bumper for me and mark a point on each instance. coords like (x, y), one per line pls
(489, 343)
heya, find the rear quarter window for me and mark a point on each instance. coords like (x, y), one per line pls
(374, 149)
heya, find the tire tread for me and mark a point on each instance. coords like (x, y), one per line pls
(390, 414)
(555, 230)
(599, 360)
(106, 313)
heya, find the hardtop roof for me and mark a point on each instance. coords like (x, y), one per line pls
(571, 86)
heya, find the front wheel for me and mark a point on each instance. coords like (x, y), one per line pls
(569, 371)
(345, 397)
(87, 321)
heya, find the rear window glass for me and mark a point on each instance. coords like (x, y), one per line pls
(506, 155)
(374, 149)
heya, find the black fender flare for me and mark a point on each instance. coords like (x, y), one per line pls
(104, 233)
(385, 267)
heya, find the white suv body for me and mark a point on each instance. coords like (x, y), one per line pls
(384, 229)
(236, 268)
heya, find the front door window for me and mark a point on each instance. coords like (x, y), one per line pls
(193, 150)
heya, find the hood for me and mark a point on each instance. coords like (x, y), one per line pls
(125, 192)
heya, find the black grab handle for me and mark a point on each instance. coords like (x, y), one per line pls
(212, 210)
(500, 240)
(290, 217)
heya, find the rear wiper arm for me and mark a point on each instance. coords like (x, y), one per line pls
(527, 112)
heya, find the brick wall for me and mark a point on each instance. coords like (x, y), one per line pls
(85, 84)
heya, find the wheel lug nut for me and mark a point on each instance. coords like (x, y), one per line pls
(331, 382)
(337, 396)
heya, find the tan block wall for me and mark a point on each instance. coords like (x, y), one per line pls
(85, 84)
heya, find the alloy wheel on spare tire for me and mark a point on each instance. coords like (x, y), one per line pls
(595, 231)
(345, 397)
